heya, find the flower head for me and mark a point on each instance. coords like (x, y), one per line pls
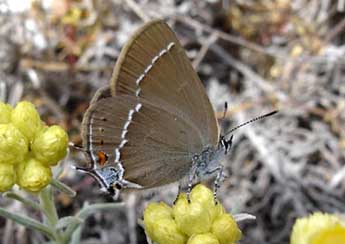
(331, 235)
(318, 228)
(201, 220)
(204, 196)
(26, 118)
(225, 229)
(191, 218)
(7, 177)
(27, 148)
(160, 225)
(13, 145)
(207, 238)
(50, 144)
(5, 111)
(33, 175)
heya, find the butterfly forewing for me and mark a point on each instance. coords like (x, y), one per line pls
(153, 66)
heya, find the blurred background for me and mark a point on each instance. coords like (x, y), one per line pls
(256, 55)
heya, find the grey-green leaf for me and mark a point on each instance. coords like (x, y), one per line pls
(28, 222)
(69, 220)
(63, 188)
(25, 201)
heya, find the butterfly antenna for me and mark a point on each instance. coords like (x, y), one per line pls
(76, 146)
(251, 121)
(224, 113)
(225, 110)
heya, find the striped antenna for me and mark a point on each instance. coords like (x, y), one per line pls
(251, 121)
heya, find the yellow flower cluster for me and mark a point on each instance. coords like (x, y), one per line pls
(28, 148)
(318, 228)
(199, 222)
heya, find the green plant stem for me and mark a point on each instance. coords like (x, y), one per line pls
(76, 236)
(59, 231)
(89, 209)
(48, 206)
(50, 214)
(85, 212)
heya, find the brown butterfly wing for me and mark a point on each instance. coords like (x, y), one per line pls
(101, 93)
(158, 138)
(153, 66)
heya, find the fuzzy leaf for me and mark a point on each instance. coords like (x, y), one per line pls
(28, 222)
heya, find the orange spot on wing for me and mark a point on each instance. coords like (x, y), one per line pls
(102, 158)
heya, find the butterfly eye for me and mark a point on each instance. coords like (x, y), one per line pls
(202, 165)
(102, 158)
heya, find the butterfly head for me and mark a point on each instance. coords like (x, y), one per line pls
(207, 162)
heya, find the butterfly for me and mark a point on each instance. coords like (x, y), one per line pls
(154, 124)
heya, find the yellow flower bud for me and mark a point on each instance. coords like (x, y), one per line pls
(5, 113)
(50, 145)
(195, 219)
(165, 231)
(7, 177)
(226, 230)
(191, 218)
(205, 197)
(202, 194)
(154, 212)
(330, 235)
(26, 118)
(316, 227)
(33, 175)
(13, 145)
(207, 238)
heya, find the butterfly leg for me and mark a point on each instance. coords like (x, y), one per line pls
(181, 187)
(191, 176)
(219, 178)
(83, 169)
